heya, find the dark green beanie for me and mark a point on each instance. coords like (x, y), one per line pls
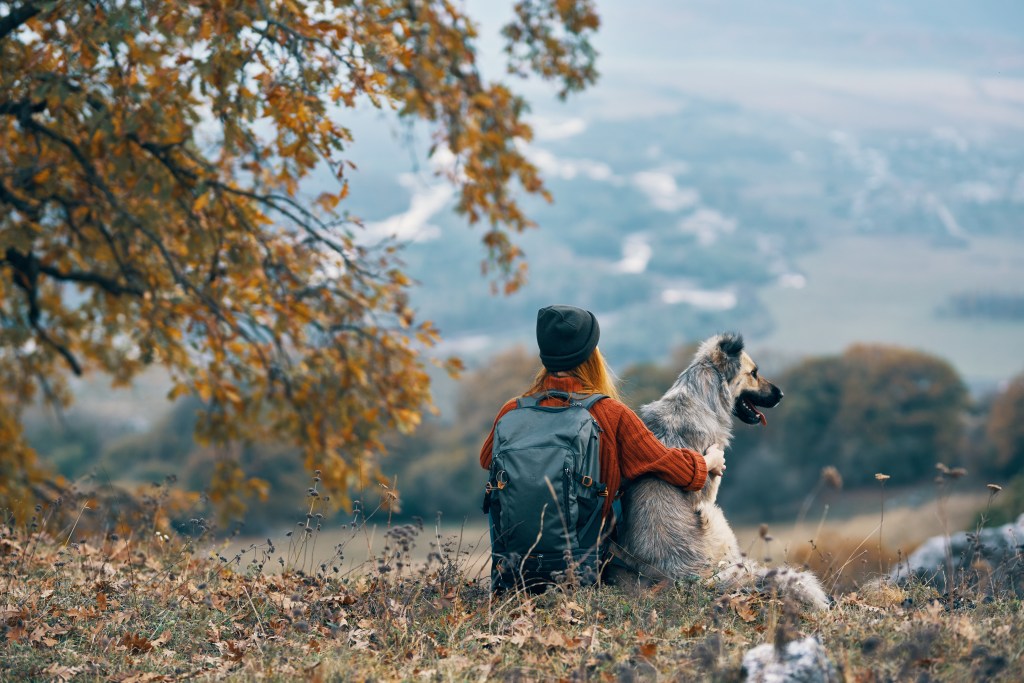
(566, 336)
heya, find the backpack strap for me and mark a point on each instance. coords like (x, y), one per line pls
(585, 400)
(535, 399)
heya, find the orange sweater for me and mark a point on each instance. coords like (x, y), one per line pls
(628, 448)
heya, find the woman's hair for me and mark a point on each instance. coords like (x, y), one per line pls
(593, 374)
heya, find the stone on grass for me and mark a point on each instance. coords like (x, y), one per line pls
(799, 661)
(991, 560)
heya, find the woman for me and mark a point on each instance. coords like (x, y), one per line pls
(567, 338)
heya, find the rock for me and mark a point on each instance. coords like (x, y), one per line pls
(800, 661)
(991, 559)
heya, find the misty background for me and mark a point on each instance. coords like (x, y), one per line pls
(814, 175)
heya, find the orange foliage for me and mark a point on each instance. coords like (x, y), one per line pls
(151, 213)
(1006, 426)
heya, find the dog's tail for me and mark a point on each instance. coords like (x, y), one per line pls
(787, 583)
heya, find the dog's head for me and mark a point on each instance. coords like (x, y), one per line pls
(749, 390)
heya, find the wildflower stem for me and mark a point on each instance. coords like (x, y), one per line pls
(75, 525)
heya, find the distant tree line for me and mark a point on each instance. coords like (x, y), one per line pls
(872, 409)
(991, 305)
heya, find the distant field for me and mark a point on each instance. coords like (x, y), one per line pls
(361, 549)
(846, 550)
(848, 540)
(887, 289)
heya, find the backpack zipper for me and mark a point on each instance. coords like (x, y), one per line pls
(566, 476)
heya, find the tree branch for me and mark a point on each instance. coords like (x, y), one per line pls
(30, 264)
(8, 197)
(76, 367)
(26, 277)
(101, 281)
(21, 107)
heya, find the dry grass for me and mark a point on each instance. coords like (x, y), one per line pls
(150, 606)
(846, 552)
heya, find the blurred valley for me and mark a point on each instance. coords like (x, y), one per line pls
(802, 236)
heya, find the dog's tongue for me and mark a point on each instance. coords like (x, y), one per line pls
(760, 416)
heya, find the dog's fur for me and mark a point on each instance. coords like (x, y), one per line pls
(668, 533)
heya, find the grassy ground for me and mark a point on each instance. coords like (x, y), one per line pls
(143, 605)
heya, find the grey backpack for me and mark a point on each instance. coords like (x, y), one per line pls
(543, 494)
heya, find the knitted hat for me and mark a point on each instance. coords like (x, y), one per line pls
(566, 336)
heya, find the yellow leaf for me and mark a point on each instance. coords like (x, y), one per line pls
(177, 391)
(201, 202)
(232, 395)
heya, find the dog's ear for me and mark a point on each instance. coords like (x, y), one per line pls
(726, 353)
(731, 344)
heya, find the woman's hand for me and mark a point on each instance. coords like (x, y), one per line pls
(714, 457)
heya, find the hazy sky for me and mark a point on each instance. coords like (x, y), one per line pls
(874, 63)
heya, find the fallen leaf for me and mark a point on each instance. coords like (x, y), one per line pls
(11, 616)
(61, 673)
(135, 643)
(694, 630)
(551, 638)
(744, 610)
(360, 639)
(571, 612)
(487, 638)
(236, 650)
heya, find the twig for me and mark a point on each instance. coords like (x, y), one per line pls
(75, 525)
(256, 614)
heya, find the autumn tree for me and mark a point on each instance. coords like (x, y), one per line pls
(154, 156)
(1006, 427)
(874, 409)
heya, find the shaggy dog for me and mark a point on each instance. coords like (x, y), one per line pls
(668, 533)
